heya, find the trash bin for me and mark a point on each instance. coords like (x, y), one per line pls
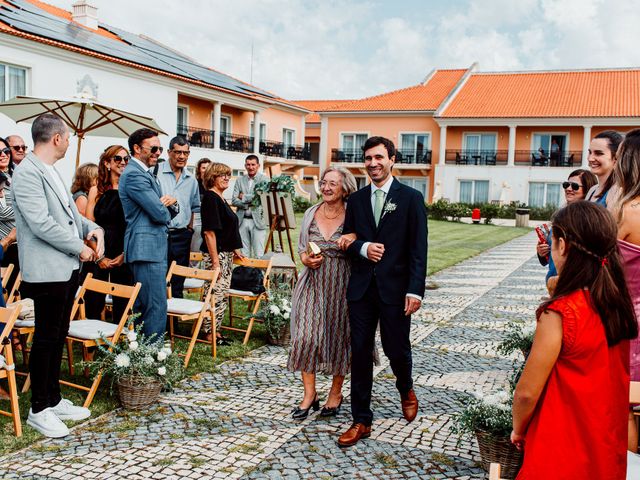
(476, 215)
(522, 217)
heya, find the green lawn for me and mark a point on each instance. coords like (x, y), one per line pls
(449, 243)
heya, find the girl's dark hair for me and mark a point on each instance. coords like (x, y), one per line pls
(587, 179)
(594, 263)
(200, 162)
(614, 139)
(627, 170)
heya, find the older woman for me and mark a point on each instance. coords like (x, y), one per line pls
(221, 239)
(86, 177)
(320, 338)
(104, 208)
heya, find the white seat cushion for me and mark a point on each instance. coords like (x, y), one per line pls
(91, 329)
(243, 293)
(183, 306)
(25, 323)
(193, 283)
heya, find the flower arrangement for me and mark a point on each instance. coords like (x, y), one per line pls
(490, 414)
(280, 183)
(137, 357)
(519, 337)
(276, 312)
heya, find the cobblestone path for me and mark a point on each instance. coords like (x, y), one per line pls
(235, 423)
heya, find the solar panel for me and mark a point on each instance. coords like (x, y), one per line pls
(26, 17)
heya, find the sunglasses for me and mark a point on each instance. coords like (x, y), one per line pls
(574, 186)
(5, 151)
(154, 149)
(17, 148)
(119, 159)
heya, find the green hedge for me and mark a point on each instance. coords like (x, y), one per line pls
(443, 210)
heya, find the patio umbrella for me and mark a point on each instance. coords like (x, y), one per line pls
(83, 115)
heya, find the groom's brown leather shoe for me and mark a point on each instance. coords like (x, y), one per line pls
(409, 405)
(355, 433)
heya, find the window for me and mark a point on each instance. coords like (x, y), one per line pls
(353, 142)
(263, 131)
(544, 194)
(420, 184)
(183, 120)
(288, 137)
(13, 82)
(414, 145)
(474, 191)
(480, 143)
(225, 124)
(552, 145)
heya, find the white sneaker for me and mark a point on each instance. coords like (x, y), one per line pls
(47, 423)
(65, 410)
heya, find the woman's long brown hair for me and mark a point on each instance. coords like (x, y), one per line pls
(593, 262)
(104, 174)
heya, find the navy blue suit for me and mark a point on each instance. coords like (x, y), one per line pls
(377, 291)
(145, 245)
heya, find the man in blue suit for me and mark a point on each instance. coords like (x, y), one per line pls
(147, 213)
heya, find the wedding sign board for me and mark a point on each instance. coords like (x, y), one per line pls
(286, 211)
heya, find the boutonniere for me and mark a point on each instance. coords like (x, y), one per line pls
(388, 207)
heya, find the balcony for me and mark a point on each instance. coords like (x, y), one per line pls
(279, 149)
(196, 137)
(408, 156)
(536, 158)
(347, 155)
(476, 157)
(236, 143)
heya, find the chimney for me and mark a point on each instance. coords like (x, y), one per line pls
(85, 14)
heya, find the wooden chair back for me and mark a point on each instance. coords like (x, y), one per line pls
(14, 293)
(5, 272)
(196, 257)
(8, 316)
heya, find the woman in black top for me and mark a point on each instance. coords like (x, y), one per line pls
(221, 238)
(104, 208)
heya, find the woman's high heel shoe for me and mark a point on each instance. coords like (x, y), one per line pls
(331, 411)
(302, 413)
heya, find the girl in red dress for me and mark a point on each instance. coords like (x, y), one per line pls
(571, 404)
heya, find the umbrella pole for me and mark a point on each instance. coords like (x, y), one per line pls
(78, 151)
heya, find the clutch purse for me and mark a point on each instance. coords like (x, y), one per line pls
(313, 249)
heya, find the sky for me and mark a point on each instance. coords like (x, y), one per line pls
(332, 49)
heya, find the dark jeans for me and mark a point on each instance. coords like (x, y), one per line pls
(52, 303)
(394, 332)
(94, 301)
(179, 250)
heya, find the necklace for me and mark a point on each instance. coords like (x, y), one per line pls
(324, 212)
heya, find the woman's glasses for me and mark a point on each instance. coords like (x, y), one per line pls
(574, 186)
(5, 151)
(119, 159)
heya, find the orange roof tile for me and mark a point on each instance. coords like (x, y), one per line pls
(589, 93)
(317, 106)
(425, 96)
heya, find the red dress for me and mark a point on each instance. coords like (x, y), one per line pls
(579, 428)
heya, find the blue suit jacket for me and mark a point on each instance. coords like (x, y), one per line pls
(145, 239)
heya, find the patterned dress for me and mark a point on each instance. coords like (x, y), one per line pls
(320, 335)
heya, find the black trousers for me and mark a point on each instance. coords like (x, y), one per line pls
(11, 256)
(52, 303)
(179, 250)
(394, 332)
(94, 302)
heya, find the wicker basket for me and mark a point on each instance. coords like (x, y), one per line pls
(137, 393)
(282, 340)
(499, 450)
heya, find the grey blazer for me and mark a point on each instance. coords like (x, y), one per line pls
(242, 186)
(49, 227)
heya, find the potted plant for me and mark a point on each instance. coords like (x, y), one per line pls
(489, 418)
(139, 366)
(519, 336)
(276, 314)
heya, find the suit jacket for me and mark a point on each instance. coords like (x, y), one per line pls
(145, 238)
(50, 229)
(242, 186)
(403, 231)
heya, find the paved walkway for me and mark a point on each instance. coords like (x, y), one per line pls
(235, 422)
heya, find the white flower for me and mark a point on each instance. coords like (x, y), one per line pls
(162, 371)
(501, 400)
(133, 346)
(147, 360)
(285, 302)
(274, 309)
(122, 360)
(529, 331)
(162, 355)
(286, 315)
(166, 350)
(390, 207)
(287, 309)
(132, 336)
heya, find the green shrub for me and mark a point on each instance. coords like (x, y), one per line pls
(438, 210)
(301, 204)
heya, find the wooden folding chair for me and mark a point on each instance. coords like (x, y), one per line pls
(8, 316)
(185, 310)
(23, 329)
(494, 471)
(14, 293)
(253, 300)
(89, 332)
(195, 285)
(5, 272)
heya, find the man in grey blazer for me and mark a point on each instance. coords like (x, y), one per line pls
(51, 251)
(147, 213)
(253, 229)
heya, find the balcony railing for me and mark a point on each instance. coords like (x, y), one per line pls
(536, 158)
(196, 137)
(347, 155)
(476, 157)
(236, 143)
(279, 149)
(413, 156)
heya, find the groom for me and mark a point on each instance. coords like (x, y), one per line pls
(387, 281)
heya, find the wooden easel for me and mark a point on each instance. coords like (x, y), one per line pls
(276, 220)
